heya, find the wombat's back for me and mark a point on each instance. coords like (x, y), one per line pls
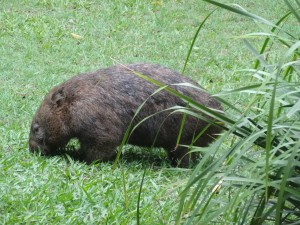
(119, 85)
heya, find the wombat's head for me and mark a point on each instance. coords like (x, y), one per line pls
(48, 130)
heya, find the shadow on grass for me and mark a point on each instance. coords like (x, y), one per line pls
(134, 155)
(148, 157)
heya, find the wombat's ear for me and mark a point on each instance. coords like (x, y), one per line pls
(58, 97)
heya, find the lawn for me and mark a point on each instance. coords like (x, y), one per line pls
(43, 43)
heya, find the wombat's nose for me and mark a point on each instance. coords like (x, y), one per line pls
(33, 146)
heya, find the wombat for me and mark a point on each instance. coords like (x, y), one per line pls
(97, 108)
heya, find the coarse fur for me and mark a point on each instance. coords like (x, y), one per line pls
(97, 108)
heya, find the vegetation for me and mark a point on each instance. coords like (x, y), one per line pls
(260, 184)
(249, 175)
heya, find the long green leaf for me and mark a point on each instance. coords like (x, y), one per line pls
(194, 40)
(241, 12)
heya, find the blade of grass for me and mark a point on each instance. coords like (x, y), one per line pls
(286, 175)
(293, 10)
(181, 128)
(139, 198)
(264, 46)
(241, 12)
(194, 40)
(124, 189)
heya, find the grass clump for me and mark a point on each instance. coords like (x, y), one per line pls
(242, 183)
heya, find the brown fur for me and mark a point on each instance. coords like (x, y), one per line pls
(96, 108)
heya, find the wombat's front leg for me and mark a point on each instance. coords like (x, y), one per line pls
(92, 152)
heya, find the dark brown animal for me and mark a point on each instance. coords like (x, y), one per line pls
(97, 108)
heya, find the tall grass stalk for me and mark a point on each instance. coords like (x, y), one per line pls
(255, 178)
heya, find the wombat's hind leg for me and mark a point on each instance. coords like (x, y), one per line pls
(181, 157)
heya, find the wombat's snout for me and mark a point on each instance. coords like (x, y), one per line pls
(33, 146)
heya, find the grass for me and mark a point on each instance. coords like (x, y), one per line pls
(243, 184)
(38, 51)
(54, 191)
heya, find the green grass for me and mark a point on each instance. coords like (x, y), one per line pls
(37, 51)
(53, 191)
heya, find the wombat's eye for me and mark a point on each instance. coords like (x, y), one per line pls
(35, 128)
